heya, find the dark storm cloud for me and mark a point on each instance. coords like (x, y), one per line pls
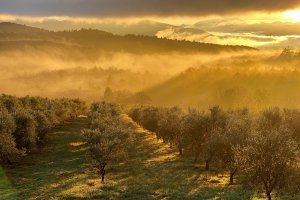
(116, 8)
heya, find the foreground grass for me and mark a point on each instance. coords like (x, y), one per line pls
(58, 166)
(61, 170)
(6, 190)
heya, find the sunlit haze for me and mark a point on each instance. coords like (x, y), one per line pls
(150, 99)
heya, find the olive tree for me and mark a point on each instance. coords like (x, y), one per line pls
(8, 149)
(269, 161)
(25, 133)
(103, 115)
(271, 154)
(43, 124)
(170, 128)
(213, 141)
(238, 129)
(196, 128)
(106, 145)
(150, 117)
(292, 121)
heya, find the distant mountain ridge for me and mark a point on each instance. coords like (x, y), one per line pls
(8, 27)
(92, 41)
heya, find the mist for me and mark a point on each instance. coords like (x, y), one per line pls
(257, 81)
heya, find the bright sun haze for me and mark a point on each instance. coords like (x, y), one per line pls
(293, 15)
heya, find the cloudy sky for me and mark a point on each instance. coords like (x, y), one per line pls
(255, 23)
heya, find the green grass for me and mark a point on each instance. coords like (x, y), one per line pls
(61, 170)
(7, 192)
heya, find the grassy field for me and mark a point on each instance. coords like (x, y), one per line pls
(61, 170)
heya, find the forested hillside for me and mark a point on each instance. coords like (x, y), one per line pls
(241, 82)
(92, 42)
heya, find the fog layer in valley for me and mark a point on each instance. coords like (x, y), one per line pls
(56, 72)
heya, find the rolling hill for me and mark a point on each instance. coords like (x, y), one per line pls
(93, 42)
(244, 84)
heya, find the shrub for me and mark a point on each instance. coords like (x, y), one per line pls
(269, 161)
(8, 149)
(25, 133)
(43, 124)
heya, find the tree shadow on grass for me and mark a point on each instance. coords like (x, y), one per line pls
(61, 170)
(58, 165)
(154, 171)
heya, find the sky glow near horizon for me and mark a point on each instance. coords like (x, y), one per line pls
(256, 23)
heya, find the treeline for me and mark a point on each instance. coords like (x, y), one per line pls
(108, 135)
(25, 122)
(92, 41)
(263, 147)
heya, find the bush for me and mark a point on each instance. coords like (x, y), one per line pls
(43, 124)
(108, 135)
(8, 149)
(25, 133)
(26, 121)
(269, 161)
(170, 128)
(107, 145)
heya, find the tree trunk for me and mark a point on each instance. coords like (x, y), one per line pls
(269, 195)
(207, 165)
(231, 179)
(180, 149)
(102, 174)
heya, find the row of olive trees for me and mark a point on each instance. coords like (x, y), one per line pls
(25, 121)
(263, 146)
(108, 135)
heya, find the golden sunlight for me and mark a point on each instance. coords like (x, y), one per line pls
(150, 99)
(293, 15)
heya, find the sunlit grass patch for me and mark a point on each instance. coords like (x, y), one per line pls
(76, 144)
(7, 192)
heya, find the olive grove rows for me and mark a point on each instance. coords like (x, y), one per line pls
(263, 147)
(25, 122)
